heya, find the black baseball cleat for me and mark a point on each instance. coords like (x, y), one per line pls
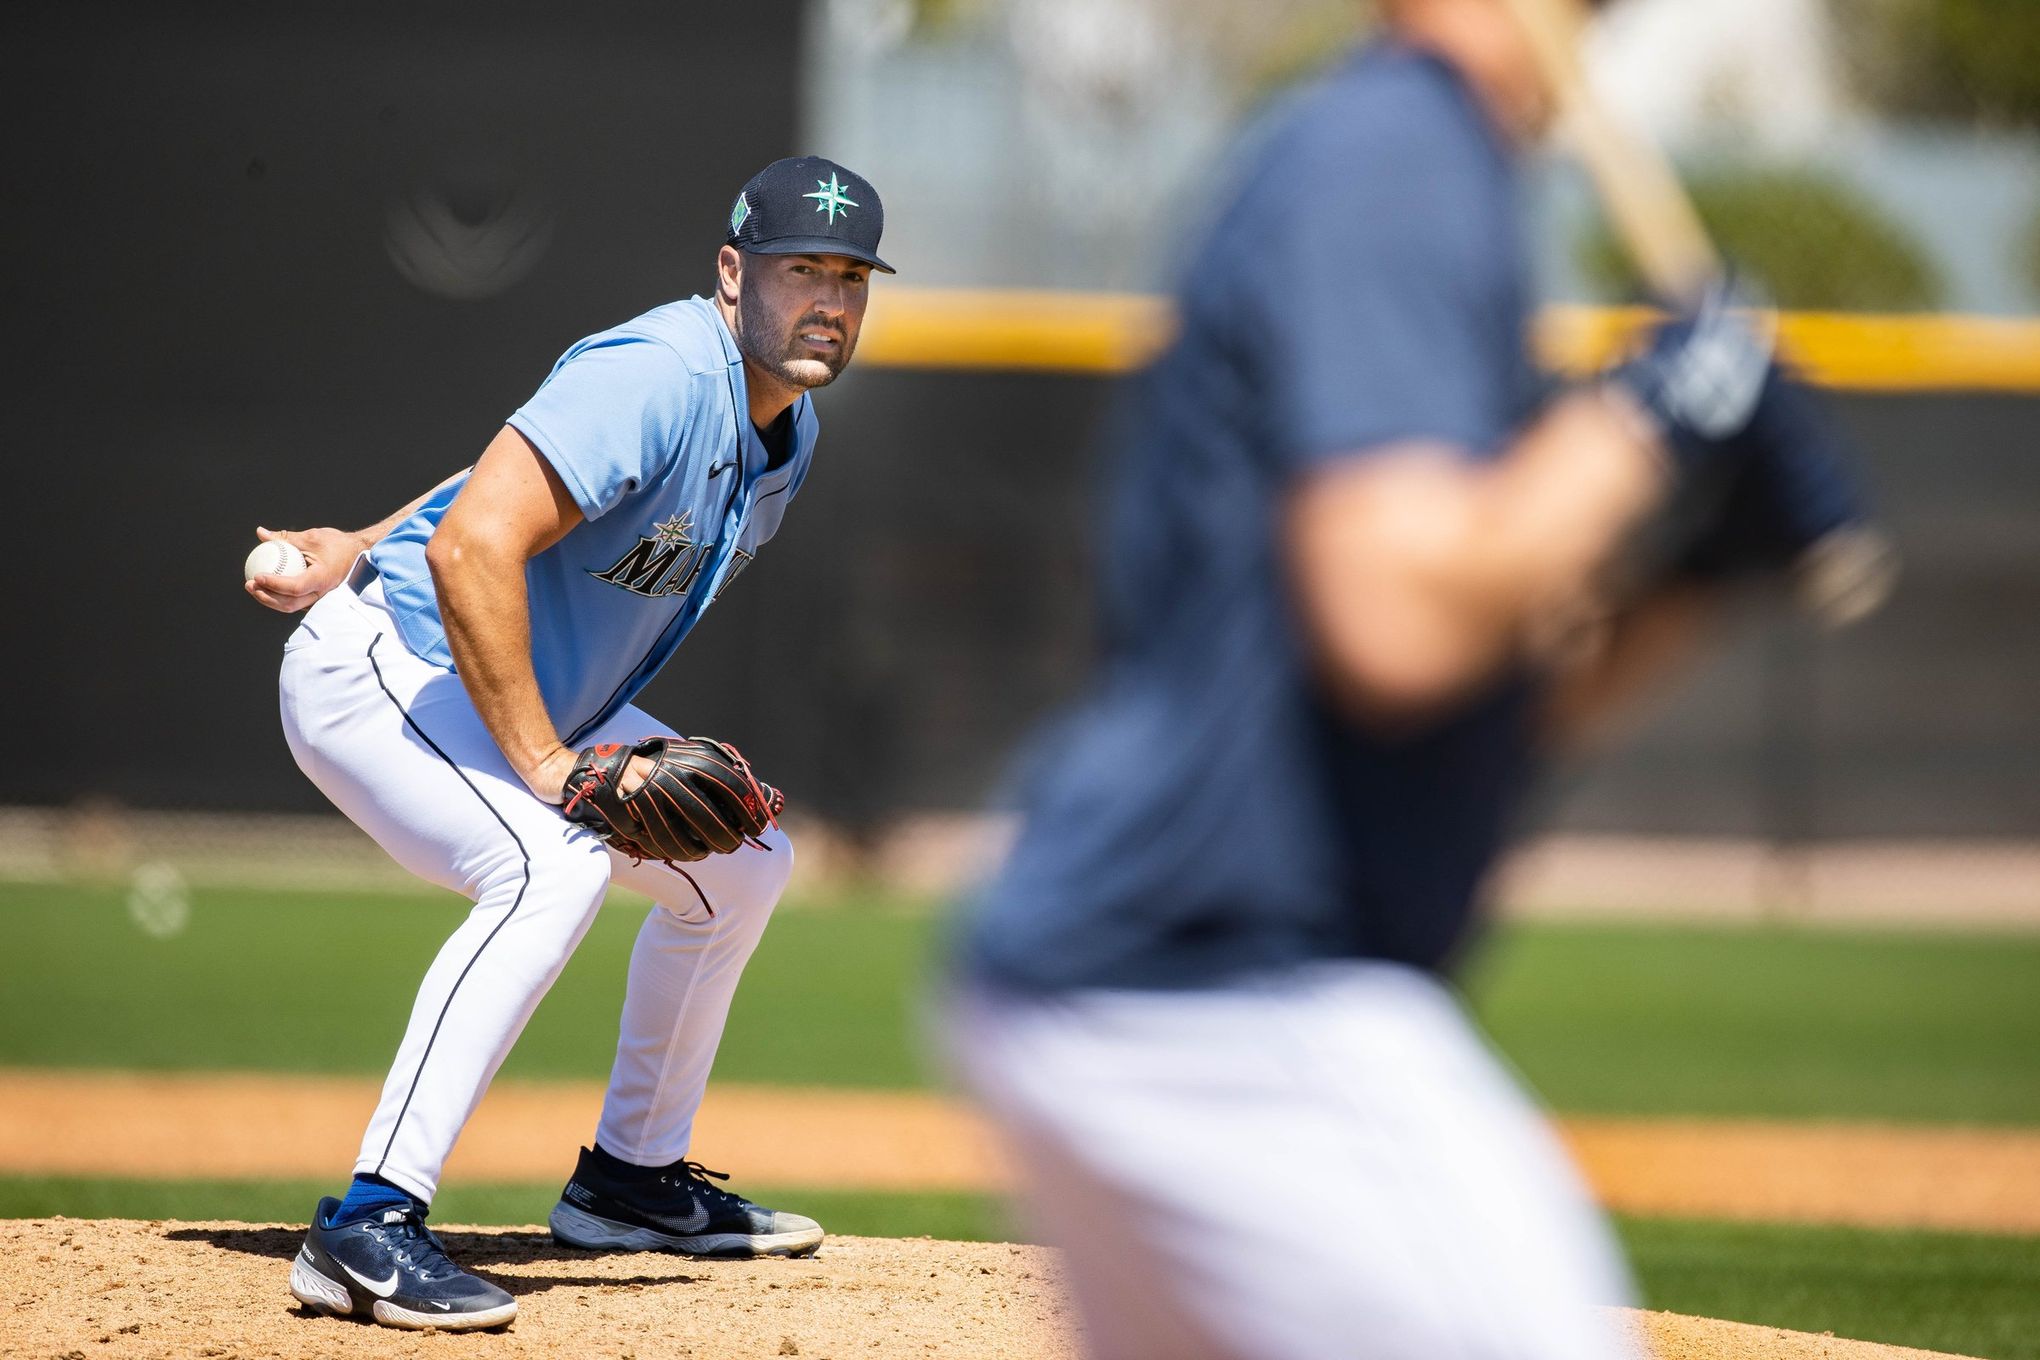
(672, 1208)
(392, 1268)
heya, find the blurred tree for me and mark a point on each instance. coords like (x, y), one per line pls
(933, 16)
(1809, 239)
(1975, 60)
(1294, 43)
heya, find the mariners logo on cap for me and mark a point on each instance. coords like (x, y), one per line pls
(779, 214)
(832, 197)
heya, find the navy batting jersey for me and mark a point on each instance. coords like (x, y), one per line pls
(1206, 812)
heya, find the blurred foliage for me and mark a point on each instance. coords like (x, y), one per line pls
(936, 16)
(1975, 60)
(1307, 38)
(1809, 239)
(1965, 59)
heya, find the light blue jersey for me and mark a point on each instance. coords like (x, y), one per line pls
(648, 426)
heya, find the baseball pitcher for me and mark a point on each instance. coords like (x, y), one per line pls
(461, 688)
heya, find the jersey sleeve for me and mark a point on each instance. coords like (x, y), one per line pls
(1363, 304)
(609, 418)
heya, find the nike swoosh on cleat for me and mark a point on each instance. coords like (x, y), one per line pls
(382, 1289)
(694, 1222)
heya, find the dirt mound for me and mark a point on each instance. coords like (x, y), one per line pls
(1672, 1337)
(75, 1288)
(118, 1290)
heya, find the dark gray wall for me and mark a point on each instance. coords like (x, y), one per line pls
(210, 328)
(1923, 721)
(930, 597)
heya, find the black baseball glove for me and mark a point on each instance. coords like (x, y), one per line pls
(700, 799)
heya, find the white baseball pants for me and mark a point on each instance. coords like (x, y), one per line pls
(1329, 1163)
(395, 743)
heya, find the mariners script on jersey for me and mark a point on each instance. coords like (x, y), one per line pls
(647, 425)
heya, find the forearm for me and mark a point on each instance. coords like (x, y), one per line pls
(329, 554)
(1553, 513)
(1634, 652)
(512, 508)
(1421, 573)
(486, 612)
(378, 531)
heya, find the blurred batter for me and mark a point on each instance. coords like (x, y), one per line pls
(1204, 995)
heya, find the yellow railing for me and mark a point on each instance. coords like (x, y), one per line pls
(1013, 329)
(1100, 333)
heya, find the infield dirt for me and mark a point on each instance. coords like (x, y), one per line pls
(72, 1289)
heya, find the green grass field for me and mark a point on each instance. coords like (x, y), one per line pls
(1600, 1019)
(1645, 1020)
(1925, 1027)
(830, 998)
(1971, 1295)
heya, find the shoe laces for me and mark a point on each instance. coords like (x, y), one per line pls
(414, 1246)
(694, 1177)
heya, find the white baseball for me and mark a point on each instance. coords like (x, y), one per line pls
(273, 557)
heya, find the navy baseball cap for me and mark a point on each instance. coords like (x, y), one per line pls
(806, 205)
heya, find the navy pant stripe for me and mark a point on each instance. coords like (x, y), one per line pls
(418, 1075)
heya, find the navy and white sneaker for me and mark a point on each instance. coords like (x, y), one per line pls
(672, 1208)
(392, 1268)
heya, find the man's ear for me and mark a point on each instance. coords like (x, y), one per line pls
(729, 274)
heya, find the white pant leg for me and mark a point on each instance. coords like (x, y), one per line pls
(396, 745)
(690, 954)
(1330, 1164)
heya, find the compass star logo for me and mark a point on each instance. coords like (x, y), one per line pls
(664, 562)
(675, 532)
(830, 195)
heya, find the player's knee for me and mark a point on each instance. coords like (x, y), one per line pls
(774, 865)
(745, 885)
(766, 871)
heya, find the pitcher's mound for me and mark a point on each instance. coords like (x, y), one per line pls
(120, 1289)
(1672, 1337)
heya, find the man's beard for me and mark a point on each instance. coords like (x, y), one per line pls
(791, 362)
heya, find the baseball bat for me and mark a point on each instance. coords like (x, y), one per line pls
(1849, 572)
